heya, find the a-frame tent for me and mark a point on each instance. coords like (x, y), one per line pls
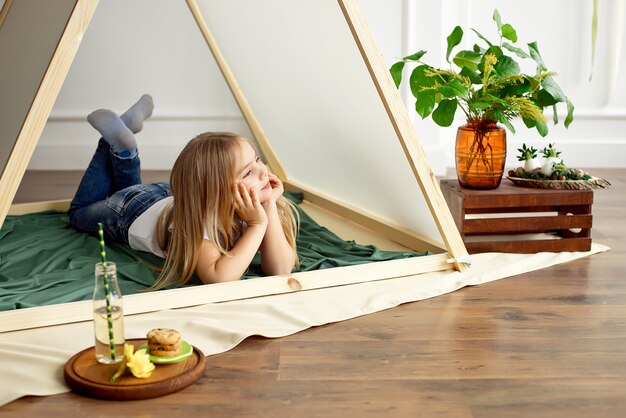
(317, 96)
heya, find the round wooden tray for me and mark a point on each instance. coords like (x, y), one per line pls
(84, 375)
(592, 183)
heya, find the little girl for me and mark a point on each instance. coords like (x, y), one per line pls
(220, 207)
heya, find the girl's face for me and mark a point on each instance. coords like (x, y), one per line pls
(251, 171)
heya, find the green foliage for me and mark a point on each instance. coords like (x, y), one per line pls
(550, 151)
(527, 153)
(485, 82)
(594, 35)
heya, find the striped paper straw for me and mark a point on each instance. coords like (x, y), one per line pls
(107, 292)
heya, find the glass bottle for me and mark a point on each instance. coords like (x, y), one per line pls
(105, 311)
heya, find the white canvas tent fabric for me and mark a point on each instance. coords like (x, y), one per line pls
(33, 360)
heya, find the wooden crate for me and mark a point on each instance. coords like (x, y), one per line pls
(499, 219)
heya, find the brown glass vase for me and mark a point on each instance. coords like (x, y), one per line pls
(480, 154)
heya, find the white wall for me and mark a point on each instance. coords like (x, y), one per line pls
(154, 46)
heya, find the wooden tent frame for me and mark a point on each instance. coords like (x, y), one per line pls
(456, 256)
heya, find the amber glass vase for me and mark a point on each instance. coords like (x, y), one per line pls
(480, 154)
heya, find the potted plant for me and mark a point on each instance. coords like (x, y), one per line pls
(485, 82)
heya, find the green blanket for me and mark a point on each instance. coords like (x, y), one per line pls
(44, 261)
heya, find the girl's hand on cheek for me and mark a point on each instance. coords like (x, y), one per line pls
(248, 207)
(277, 187)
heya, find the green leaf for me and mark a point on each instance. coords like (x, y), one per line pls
(467, 59)
(594, 35)
(530, 123)
(570, 113)
(495, 50)
(551, 87)
(482, 37)
(515, 89)
(497, 99)
(544, 99)
(480, 104)
(534, 83)
(517, 51)
(414, 57)
(506, 66)
(478, 49)
(473, 76)
(555, 115)
(534, 54)
(509, 33)
(501, 117)
(419, 80)
(425, 103)
(396, 72)
(444, 114)
(497, 19)
(541, 126)
(454, 88)
(453, 40)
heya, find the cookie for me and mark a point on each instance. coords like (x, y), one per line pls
(164, 353)
(163, 336)
(164, 342)
(164, 347)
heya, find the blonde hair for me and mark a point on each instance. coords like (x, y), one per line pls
(201, 183)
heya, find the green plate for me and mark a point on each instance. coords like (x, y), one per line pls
(186, 350)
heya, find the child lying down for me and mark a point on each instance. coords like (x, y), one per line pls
(223, 216)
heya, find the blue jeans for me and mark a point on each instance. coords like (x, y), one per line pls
(111, 192)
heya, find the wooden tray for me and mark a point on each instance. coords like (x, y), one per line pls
(592, 183)
(84, 375)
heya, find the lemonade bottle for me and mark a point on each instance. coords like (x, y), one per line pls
(109, 348)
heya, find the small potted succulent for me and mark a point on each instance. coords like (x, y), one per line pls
(551, 167)
(529, 157)
(486, 83)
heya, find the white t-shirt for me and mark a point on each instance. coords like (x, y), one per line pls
(142, 233)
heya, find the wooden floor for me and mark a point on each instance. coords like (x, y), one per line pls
(550, 343)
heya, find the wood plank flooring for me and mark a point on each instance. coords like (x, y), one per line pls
(550, 343)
